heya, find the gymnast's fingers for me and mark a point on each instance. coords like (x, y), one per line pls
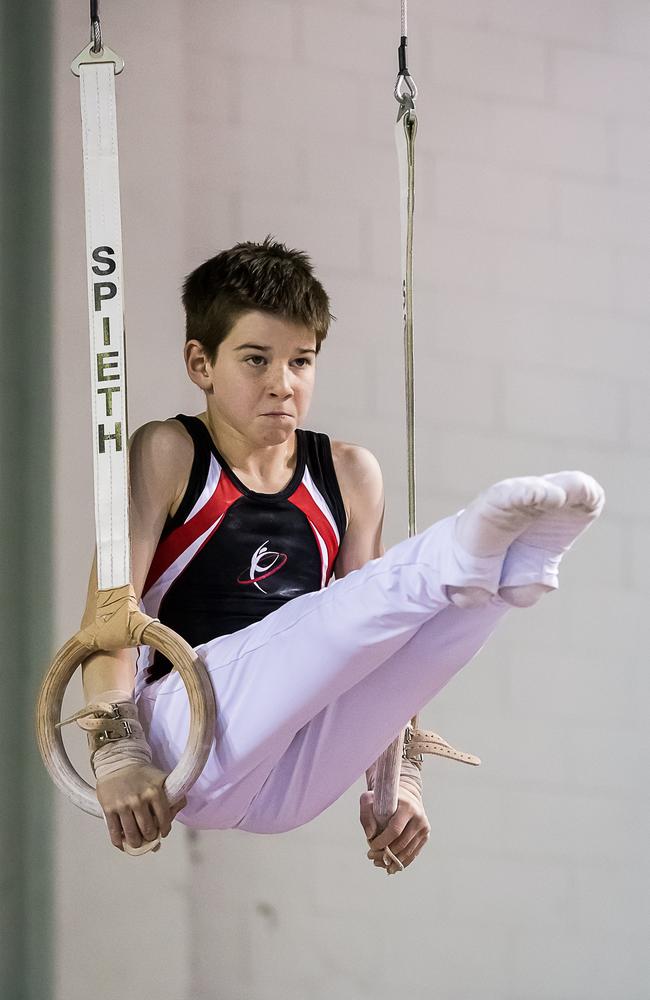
(147, 821)
(165, 812)
(132, 833)
(115, 831)
(405, 851)
(410, 832)
(390, 832)
(410, 853)
(177, 808)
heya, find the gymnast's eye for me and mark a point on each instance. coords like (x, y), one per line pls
(254, 358)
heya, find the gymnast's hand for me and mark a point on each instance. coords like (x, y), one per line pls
(407, 830)
(135, 805)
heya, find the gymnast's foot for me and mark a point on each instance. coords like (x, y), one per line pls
(492, 522)
(538, 550)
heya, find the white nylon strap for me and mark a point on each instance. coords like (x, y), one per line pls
(388, 765)
(401, 146)
(405, 131)
(106, 323)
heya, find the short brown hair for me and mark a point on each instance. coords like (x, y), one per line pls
(253, 276)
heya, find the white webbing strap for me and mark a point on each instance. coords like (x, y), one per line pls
(106, 323)
(387, 775)
(405, 131)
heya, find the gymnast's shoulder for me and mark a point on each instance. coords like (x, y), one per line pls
(162, 451)
(360, 478)
(162, 440)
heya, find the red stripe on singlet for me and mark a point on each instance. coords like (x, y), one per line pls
(304, 501)
(186, 534)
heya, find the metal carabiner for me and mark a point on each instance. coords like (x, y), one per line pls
(404, 98)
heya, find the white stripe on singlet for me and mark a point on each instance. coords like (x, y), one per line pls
(153, 598)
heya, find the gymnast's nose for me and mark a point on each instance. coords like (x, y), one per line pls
(280, 383)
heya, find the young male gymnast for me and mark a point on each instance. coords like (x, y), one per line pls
(260, 543)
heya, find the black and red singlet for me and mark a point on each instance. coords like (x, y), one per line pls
(230, 556)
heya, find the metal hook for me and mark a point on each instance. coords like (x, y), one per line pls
(400, 95)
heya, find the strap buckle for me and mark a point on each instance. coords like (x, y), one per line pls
(102, 736)
(408, 736)
(118, 728)
(112, 713)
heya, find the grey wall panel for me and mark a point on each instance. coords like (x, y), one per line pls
(25, 496)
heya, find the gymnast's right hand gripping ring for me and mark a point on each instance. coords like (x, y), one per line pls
(202, 716)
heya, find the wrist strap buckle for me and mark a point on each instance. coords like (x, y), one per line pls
(120, 729)
(419, 741)
(106, 722)
(408, 739)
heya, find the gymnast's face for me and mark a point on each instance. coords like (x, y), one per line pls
(262, 380)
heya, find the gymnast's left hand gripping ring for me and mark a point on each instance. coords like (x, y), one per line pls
(202, 716)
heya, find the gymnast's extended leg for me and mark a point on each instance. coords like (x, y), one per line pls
(395, 618)
(334, 749)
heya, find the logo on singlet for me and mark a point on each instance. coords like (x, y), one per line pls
(263, 564)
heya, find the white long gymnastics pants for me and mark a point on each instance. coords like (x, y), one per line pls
(308, 697)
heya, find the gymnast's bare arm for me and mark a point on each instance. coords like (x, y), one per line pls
(362, 489)
(360, 480)
(160, 457)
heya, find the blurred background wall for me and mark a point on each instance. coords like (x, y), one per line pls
(26, 492)
(531, 308)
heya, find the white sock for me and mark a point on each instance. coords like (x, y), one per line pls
(487, 527)
(531, 565)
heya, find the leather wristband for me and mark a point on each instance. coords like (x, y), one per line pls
(115, 736)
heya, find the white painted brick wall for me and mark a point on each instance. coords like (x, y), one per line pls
(532, 305)
(487, 64)
(600, 83)
(594, 213)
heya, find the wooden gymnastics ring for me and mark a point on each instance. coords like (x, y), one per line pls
(147, 631)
